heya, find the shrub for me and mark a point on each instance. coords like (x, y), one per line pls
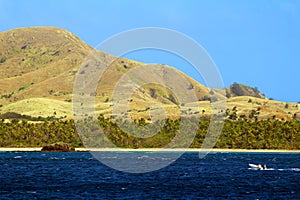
(153, 93)
(21, 88)
(2, 60)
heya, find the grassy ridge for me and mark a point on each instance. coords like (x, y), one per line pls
(45, 107)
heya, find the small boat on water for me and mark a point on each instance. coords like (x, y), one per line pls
(257, 167)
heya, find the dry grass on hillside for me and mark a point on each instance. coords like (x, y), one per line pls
(38, 67)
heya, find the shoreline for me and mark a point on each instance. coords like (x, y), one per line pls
(38, 149)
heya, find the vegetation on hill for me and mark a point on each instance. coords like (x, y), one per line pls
(242, 133)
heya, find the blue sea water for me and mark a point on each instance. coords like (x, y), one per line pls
(78, 175)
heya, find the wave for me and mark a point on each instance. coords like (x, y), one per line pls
(290, 169)
(18, 157)
(279, 169)
(141, 157)
(53, 158)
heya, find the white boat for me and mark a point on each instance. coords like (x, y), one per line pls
(253, 165)
(257, 167)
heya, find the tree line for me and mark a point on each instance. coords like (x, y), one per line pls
(241, 133)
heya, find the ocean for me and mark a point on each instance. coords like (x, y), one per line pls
(78, 175)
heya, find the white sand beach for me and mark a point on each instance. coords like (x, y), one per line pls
(20, 149)
(32, 149)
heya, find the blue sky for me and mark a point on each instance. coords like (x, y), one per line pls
(255, 42)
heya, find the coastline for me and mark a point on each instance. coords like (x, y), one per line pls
(38, 149)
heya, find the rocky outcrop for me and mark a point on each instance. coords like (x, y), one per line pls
(237, 89)
(58, 147)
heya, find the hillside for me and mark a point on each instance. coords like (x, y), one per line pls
(40, 63)
(38, 66)
(243, 90)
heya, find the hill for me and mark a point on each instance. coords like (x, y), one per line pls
(38, 66)
(39, 62)
(243, 90)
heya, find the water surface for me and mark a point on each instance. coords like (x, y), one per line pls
(39, 175)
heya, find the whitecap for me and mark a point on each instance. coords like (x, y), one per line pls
(31, 192)
(269, 169)
(110, 157)
(252, 168)
(166, 159)
(141, 157)
(18, 157)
